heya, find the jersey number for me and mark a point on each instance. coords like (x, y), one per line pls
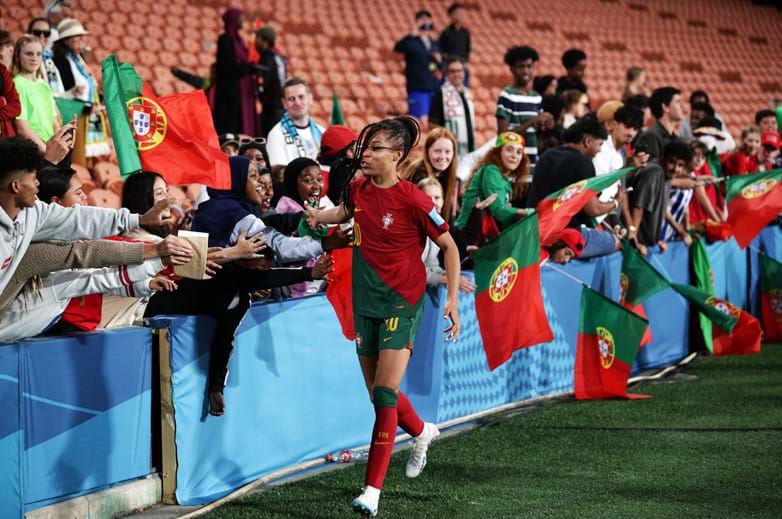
(356, 234)
(392, 324)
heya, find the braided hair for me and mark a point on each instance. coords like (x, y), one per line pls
(402, 132)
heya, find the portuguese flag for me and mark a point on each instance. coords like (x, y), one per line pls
(638, 282)
(753, 201)
(172, 135)
(771, 297)
(336, 110)
(556, 210)
(339, 291)
(509, 300)
(704, 281)
(608, 339)
(736, 332)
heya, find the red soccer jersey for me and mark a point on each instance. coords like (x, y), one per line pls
(390, 230)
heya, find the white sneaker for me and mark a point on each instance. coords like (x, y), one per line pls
(366, 503)
(417, 460)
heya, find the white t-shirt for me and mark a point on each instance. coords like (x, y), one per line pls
(606, 161)
(282, 152)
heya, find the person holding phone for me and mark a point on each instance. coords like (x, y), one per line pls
(422, 63)
(392, 220)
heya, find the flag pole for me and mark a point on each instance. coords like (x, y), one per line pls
(567, 275)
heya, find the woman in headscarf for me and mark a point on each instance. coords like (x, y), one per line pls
(234, 104)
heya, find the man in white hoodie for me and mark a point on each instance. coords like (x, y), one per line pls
(24, 219)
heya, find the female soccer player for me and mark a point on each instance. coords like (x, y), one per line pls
(392, 220)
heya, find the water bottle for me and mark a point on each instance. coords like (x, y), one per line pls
(348, 456)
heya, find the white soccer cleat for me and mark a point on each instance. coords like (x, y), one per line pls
(366, 503)
(417, 460)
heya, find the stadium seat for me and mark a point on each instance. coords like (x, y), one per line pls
(103, 172)
(103, 198)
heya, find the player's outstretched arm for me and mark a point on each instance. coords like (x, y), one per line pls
(335, 215)
(452, 274)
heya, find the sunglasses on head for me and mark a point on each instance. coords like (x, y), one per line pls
(248, 140)
(39, 33)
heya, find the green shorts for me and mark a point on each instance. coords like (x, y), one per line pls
(376, 333)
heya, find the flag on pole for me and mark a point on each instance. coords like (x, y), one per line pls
(638, 282)
(608, 339)
(509, 299)
(556, 210)
(336, 110)
(753, 201)
(771, 297)
(735, 333)
(704, 281)
(172, 135)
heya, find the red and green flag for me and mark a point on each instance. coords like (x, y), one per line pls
(336, 110)
(339, 291)
(172, 135)
(556, 210)
(704, 281)
(735, 332)
(753, 201)
(771, 297)
(638, 282)
(609, 336)
(509, 298)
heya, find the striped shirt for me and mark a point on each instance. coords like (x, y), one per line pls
(678, 200)
(517, 108)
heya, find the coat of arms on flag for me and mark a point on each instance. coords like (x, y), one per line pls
(148, 122)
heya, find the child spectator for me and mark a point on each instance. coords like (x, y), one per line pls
(255, 150)
(745, 159)
(768, 156)
(545, 85)
(704, 205)
(435, 273)
(676, 224)
(39, 118)
(60, 186)
(336, 147)
(519, 107)
(439, 162)
(766, 120)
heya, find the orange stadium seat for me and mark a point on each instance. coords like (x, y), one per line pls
(103, 172)
(103, 198)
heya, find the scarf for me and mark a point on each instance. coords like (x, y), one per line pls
(456, 116)
(226, 207)
(291, 133)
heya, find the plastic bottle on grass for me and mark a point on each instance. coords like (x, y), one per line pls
(347, 456)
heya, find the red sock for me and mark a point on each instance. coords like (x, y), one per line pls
(409, 420)
(383, 436)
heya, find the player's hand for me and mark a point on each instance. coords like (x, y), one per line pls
(312, 217)
(452, 313)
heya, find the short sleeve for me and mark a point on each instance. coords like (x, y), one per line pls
(504, 110)
(275, 147)
(426, 216)
(24, 101)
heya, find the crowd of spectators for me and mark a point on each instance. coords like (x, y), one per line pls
(549, 135)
